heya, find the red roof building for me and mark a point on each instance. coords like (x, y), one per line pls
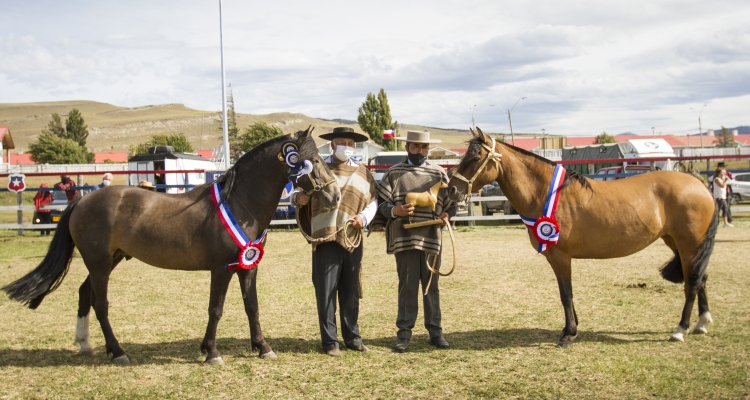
(111, 156)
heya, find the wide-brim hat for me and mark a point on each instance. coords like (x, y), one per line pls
(346, 133)
(418, 137)
(146, 184)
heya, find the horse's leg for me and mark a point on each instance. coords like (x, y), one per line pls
(686, 259)
(704, 316)
(220, 278)
(99, 278)
(86, 299)
(250, 298)
(560, 263)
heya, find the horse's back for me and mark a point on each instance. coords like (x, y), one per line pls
(147, 225)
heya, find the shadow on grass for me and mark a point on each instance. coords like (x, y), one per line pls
(187, 351)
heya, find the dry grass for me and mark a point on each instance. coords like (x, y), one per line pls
(501, 314)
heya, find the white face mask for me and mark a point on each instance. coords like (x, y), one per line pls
(343, 153)
(106, 182)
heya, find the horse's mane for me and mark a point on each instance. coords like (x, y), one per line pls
(476, 143)
(227, 180)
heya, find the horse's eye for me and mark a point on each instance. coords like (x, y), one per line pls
(476, 159)
(316, 161)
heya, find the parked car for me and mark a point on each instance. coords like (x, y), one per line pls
(491, 207)
(740, 190)
(602, 174)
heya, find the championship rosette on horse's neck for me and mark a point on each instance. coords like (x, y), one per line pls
(251, 251)
(546, 228)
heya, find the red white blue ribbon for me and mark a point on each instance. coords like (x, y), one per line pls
(251, 252)
(545, 228)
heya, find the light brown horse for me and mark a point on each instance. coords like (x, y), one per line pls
(177, 232)
(602, 220)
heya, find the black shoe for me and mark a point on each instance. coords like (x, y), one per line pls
(357, 346)
(440, 342)
(402, 346)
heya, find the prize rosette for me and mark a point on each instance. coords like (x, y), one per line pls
(292, 159)
(250, 256)
(546, 230)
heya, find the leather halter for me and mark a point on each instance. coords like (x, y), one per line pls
(491, 155)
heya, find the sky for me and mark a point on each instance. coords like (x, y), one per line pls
(568, 67)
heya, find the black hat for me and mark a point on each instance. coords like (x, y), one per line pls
(721, 164)
(343, 132)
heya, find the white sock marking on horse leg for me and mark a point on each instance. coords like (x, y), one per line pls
(82, 336)
(678, 335)
(703, 320)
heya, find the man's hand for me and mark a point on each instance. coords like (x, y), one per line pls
(357, 222)
(403, 210)
(301, 199)
(445, 217)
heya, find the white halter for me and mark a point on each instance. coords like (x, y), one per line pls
(491, 155)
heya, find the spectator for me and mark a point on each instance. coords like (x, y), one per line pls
(42, 198)
(68, 186)
(722, 165)
(146, 185)
(720, 183)
(106, 181)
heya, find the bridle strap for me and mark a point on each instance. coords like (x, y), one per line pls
(491, 155)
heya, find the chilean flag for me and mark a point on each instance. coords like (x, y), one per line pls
(17, 182)
(389, 134)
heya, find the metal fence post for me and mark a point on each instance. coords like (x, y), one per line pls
(470, 211)
(20, 212)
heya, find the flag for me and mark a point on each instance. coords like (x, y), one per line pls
(389, 134)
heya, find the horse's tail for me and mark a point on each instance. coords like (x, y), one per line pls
(31, 289)
(673, 270)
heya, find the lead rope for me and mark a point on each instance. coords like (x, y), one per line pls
(432, 269)
(351, 243)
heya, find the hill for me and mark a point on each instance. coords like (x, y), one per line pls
(113, 128)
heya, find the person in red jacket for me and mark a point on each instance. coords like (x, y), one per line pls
(41, 199)
(68, 186)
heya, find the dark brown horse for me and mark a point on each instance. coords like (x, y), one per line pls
(603, 219)
(178, 232)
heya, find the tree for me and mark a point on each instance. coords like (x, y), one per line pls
(604, 138)
(233, 130)
(58, 145)
(176, 140)
(75, 128)
(375, 117)
(51, 149)
(256, 134)
(725, 138)
(55, 127)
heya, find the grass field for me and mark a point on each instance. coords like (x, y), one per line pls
(501, 315)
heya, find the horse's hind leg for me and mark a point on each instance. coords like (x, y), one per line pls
(560, 263)
(86, 298)
(99, 271)
(704, 316)
(250, 298)
(220, 278)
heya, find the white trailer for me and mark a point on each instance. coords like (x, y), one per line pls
(164, 158)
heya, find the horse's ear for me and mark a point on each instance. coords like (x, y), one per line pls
(306, 133)
(473, 133)
(482, 135)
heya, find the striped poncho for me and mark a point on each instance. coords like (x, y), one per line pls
(358, 189)
(396, 183)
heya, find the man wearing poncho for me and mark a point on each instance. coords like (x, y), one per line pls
(334, 232)
(412, 246)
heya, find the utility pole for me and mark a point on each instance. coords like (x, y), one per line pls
(227, 158)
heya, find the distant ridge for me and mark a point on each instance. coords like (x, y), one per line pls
(340, 121)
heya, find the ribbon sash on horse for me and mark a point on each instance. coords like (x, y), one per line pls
(545, 228)
(251, 252)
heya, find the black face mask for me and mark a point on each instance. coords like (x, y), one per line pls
(417, 159)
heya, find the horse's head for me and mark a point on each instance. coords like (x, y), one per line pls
(479, 166)
(319, 182)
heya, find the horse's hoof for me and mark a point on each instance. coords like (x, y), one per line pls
(215, 361)
(700, 330)
(269, 356)
(86, 352)
(677, 337)
(564, 345)
(122, 360)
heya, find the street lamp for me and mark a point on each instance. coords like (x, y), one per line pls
(512, 138)
(544, 144)
(472, 117)
(700, 128)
